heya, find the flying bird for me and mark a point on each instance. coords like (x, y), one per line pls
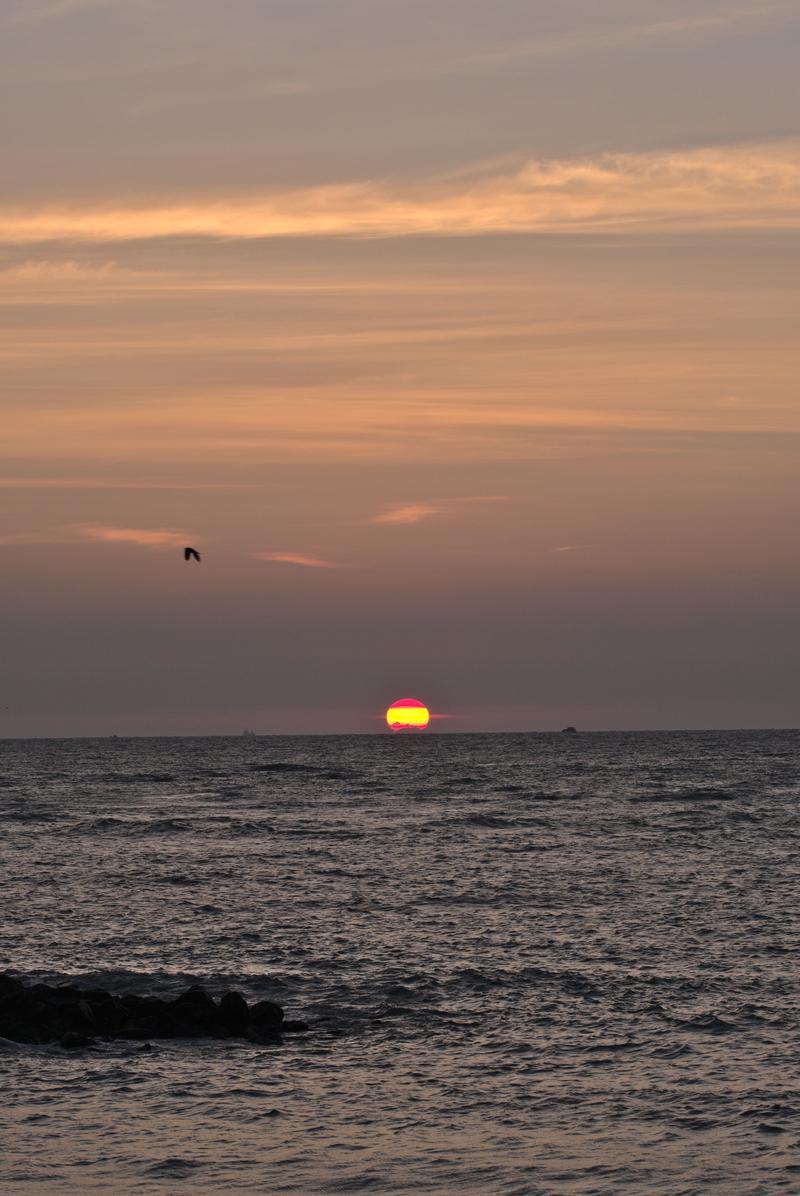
(191, 554)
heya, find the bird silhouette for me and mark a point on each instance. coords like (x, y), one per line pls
(191, 554)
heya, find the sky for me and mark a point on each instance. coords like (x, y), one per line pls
(461, 340)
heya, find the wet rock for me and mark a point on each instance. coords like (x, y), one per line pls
(67, 992)
(197, 997)
(107, 1014)
(75, 1016)
(148, 1017)
(266, 1013)
(23, 1032)
(134, 1032)
(73, 1041)
(9, 987)
(234, 1012)
(67, 1014)
(194, 1013)
(266, 1022)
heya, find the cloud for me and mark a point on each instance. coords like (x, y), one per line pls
(408, 513)
(480, 498)
(64, 270)
(143, 537)
(59, 8)
(735, 186)
(416, 512)
(295, 558)
(13, 538)
(87, 483)
(99, 533)
(729, 20)
(443, 60)
(557, 36)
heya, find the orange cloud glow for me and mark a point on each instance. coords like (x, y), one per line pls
(735, 186)
(408, 513)
(144, 537)
(73, 483)
(59, 270)
(295, 558)
(97, 533)
(416, 512)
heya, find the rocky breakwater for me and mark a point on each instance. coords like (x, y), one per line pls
(75, 1017)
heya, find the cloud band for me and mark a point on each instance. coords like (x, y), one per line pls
(737, 186)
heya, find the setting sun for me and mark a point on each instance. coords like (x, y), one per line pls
(407, 714)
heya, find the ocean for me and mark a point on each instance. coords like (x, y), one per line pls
(531, 964)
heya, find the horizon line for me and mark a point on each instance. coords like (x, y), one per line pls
(423, 733)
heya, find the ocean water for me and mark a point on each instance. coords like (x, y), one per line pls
(532, 964)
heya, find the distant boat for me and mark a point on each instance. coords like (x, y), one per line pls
(569, 730)
(247, 732)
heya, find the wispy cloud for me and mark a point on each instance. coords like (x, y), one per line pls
(583, 40)
(10, 539)
(737, 186)
(730, 20)
(442, 58)
(100, 533)
(415, 512)
(58, 8)
(99, 483)
(141, 536)
(68, 271)
(408, 513)
(296, 558)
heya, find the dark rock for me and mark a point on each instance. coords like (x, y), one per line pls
(149, 1014)
(107, 1014)
(263, 1035)
(134, 1032)
(70, 1015)
(75, 1015)
(72, 1041)
(98, 996)
(194, 1013)
(9, 986)
(289, 1027)
(67, 992)
(266, 1013)
(132, 1003)
(195, 996)
(14, 1004)
(41, 992)
(22, 1032)
(234, 1012)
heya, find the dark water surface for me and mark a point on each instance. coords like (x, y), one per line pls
(533, 964)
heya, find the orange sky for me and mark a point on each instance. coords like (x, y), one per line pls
(467, 356)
